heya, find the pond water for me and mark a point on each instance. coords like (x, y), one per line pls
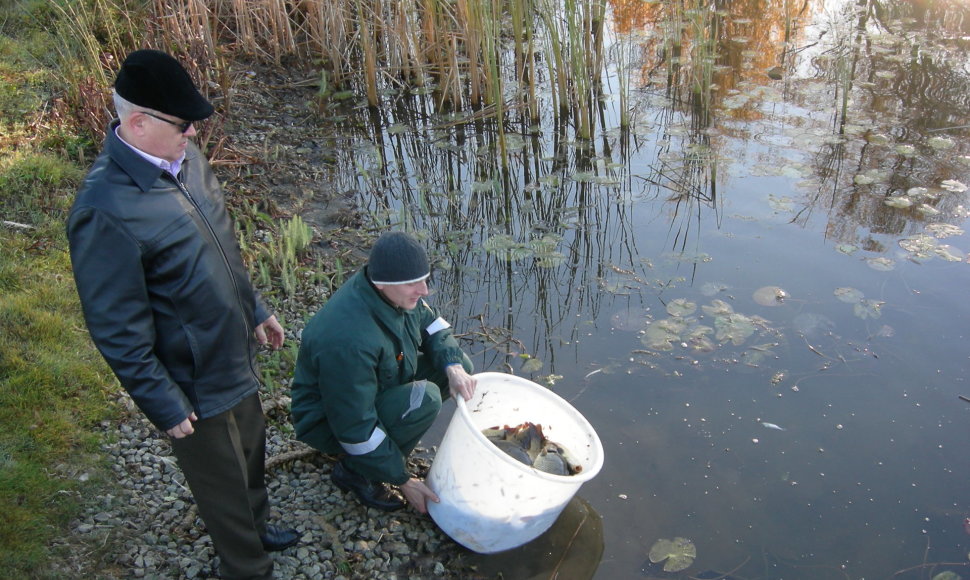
(776, 239)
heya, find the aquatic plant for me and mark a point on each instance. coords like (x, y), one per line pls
(677, 554)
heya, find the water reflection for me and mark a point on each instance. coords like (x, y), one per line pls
(570, 550)
(819, 147)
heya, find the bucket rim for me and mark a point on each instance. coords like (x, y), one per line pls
(586, 474)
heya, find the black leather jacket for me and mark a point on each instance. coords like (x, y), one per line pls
(165, 294)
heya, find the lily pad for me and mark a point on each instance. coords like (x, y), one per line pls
(881, 264)
(679, 553)
(717, 308)
(898, 201)
(531, 365)
(906, 150)
(713, 288)
(813, 325)
(949, 253)
(661, 335)
(947, 576)
(868, 308)
(681, 307)
(941, 231)
(734, 327)
(849, 295)
(919, 246)
(770, 296)
(940, 143)
(953, 185)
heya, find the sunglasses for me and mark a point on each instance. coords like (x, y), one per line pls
(183, 126)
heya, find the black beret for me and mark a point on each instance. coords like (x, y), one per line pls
(397, 258)
(154, 80)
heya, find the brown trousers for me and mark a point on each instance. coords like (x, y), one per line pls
(223, 463)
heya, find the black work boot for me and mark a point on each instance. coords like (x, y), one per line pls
(372, 494)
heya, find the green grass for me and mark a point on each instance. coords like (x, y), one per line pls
(54, 390)
(54, 386)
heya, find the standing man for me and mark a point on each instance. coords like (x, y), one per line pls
(373, 367)
(170, 306)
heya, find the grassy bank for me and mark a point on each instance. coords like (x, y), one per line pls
(55, 389)
(54, 386)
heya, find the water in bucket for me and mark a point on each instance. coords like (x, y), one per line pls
(491, 502)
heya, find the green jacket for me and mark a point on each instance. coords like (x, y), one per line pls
(355, 347)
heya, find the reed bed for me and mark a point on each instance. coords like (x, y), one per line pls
(469, 54)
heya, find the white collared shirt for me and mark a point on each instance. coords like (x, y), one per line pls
(172, 167)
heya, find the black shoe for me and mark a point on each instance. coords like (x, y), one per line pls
(277, 539)
(375, 495)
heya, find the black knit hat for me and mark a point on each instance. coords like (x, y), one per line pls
(397, 258)
(155, 80)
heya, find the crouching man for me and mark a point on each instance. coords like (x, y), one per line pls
(374, 365)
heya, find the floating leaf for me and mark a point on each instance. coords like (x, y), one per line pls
(881, 264)
(661, 334)
(770, 296)
(681, 307)
(948, 575)
(531, 365)
(941, 231)
(679, 553)
(712, 288)
(781, 204)
(717, 308)
(505, 247)
(735, 328)
(953, 185)
(906, 150)
(849, 295)
(697, 339)
(898, 201)
(872, 176)
(940, 143)
(631, 319)
(398, 128)
(919, 246)
(885, 331)
(949, 253)
(867, 308)
(813, 325)
(754, 355)
(483, 186)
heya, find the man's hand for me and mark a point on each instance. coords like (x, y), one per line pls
(460, 382)
(270, 332)
(184, 428)
(418, 494)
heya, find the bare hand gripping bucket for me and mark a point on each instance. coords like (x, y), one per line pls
(491, 502)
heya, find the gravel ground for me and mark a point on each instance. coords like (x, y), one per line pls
(144, 525)
(147, 527)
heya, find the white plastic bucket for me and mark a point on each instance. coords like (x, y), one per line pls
(489, 501)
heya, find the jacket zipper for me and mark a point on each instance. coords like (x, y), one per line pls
(225, 261)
